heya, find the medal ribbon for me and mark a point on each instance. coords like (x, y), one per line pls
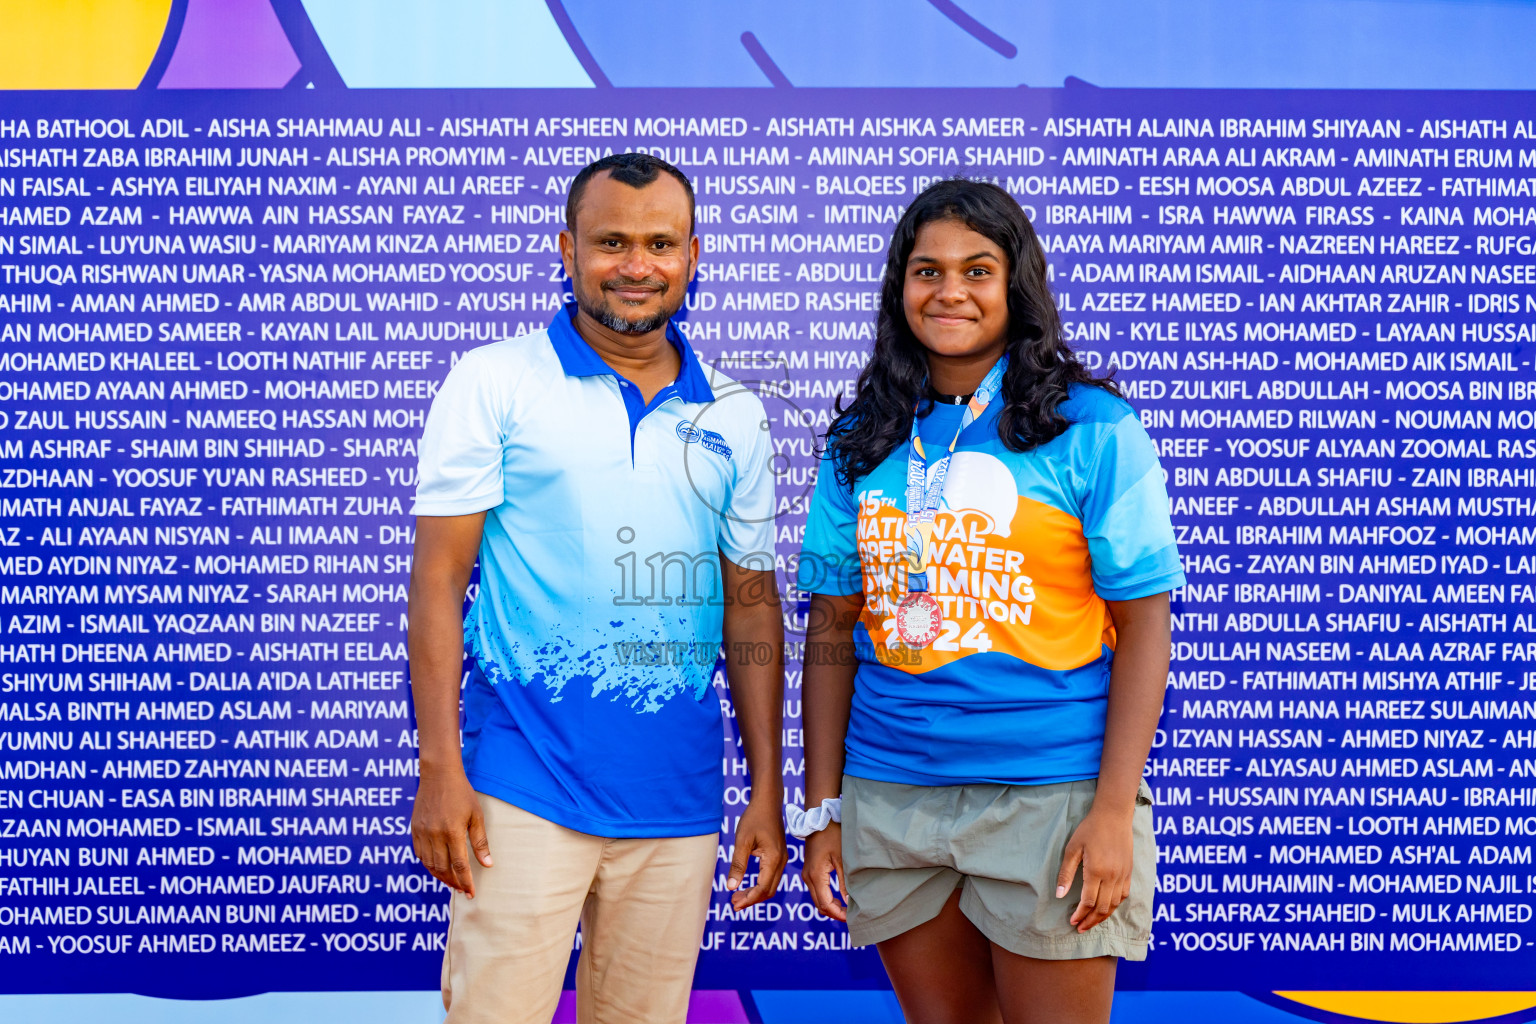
(923, 496)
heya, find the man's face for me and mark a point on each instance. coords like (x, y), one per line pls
(630, 254)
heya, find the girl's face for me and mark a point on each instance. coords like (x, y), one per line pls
(956, 291)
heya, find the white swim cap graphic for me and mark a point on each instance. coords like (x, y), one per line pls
(979, 482)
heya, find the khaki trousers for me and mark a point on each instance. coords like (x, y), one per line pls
(642, 904)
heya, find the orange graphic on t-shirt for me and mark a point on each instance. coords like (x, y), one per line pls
(1022, 587)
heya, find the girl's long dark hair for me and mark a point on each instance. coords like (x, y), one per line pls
(1041, 366)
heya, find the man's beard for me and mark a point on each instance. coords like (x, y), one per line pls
(612, 319)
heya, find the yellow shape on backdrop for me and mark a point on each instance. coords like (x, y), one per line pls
(79, 44)
(1417, 1007)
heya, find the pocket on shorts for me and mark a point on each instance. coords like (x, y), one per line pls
(1146, 808)
(445, 979)
(1144, 864)
(887, 825)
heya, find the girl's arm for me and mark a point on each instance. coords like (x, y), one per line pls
(827, 696)
(1102, 843)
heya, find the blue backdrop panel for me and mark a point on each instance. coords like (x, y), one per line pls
(223, 316)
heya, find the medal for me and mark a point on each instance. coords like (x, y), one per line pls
(919, 619)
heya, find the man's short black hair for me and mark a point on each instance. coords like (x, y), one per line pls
(636, 170)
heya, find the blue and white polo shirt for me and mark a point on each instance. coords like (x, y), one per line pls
(597, 622)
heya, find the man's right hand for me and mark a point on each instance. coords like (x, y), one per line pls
(447, 812)
(823, 857)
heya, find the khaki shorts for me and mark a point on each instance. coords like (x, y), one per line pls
(642, 904)
(907, 848)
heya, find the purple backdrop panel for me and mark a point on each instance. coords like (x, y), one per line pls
(230, 44)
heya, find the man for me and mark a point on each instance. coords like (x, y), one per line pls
(620, 506)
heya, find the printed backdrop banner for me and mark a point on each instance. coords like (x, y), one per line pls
(228, 296)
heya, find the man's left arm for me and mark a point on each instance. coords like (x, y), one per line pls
(753, 632)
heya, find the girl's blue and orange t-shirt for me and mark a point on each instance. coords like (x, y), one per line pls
(1028, 547)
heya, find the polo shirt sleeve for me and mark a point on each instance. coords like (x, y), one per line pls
(829, 559)
(1126, 518)
(746, 523)
(459, 463)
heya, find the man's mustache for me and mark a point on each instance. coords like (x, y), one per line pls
(654, 284)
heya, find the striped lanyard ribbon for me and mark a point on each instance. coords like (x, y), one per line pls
(925, 493)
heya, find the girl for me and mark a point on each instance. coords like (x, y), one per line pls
(989, 555)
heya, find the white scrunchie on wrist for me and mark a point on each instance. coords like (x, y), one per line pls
(802, 823)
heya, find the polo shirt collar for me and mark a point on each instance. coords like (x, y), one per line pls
(578, 359)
